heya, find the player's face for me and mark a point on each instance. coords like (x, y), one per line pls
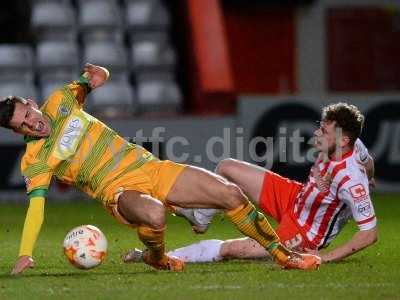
(325, 137)
(29, 120)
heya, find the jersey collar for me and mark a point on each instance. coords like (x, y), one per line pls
(344, 156)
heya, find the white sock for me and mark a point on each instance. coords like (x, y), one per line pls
(205, 215)
(203, 251)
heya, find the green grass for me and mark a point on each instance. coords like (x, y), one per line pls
(371, 274)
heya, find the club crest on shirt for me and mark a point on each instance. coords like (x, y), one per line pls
(64, 111)
(358, 192)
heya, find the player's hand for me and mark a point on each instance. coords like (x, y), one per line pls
(96, 75)
(311, 251)
(325, 259)
(24, 262)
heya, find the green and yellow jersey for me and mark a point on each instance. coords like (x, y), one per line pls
(81, 150)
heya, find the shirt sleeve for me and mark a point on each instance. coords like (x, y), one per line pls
(361, 151)
(356, 195)
(37, 176)
(80, 89)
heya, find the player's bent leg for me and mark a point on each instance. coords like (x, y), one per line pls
(196, 187)
(141, 209)
(149, 215)
(248, 177)
(199, 188)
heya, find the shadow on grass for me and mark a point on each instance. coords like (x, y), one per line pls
(229, 266)
(82, 274)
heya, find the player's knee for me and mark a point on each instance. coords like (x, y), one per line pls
(156, 217)
(226, 167)
(232, 196)
(124, 207)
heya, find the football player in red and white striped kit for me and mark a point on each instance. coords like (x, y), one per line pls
(309, 215)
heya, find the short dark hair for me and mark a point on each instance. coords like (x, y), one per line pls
(7, 108)
(348, 117)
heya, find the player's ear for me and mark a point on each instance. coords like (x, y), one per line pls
(345, 140)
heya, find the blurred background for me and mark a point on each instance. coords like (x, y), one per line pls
(215, 72)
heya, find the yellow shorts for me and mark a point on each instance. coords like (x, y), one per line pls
(154, 178)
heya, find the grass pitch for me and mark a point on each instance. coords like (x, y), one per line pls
(371, 274)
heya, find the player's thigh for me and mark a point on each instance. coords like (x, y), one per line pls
(242, 248)
(141, 209)
(198, 188)
(247, 176)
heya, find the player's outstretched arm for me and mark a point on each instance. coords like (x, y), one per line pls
(33, 223)
(359, 241)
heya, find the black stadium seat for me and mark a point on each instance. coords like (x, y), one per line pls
(16, 63)
(100, 20)
(116, 98)
(54, 21)
(152, 52)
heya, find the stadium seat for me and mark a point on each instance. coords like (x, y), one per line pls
(62, 1)
(57, 60)
(16, 63)
(53, 20)
(100, 35)
(110, 55)
(152, 52)
(22, 89)
(114, 99)
(56, 55)
(158, 93)
(100, 20)
(147, 15)
(48, 85)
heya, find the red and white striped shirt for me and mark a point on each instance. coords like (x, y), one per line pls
(335, 192)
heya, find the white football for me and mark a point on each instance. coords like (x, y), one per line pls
(85, 247)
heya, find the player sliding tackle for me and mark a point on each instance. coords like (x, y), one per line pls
(310, 215)
(62, 140)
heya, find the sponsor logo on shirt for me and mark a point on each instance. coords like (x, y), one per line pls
(69, 140)
(364, 208)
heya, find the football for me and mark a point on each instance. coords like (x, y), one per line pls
(85, 247)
